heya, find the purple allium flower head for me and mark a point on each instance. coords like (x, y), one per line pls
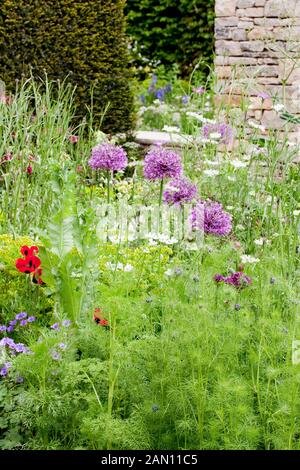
(224, 130)
(21, 315)
(180, 191)
(23, 322)
(108, 157)
(31, 319)
(210, 217)
(55, 326)
(160, 163)
(66, 323)
(2, 328)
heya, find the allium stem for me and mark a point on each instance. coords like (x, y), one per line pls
(159, 203)
(161, 191)
(108, 186)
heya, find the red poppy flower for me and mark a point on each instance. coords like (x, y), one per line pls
(98, 319)
(29, 251)
(28, 265)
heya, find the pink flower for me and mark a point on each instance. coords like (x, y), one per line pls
(73, 139)
(263, 95)
(29, 170)
(200, 90)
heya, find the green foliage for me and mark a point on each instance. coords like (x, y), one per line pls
(69, 254)
(171, 32)
(81, 40)
(12, 434)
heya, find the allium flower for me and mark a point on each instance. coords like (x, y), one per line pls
(180, 191)
(161, 163)
(108, 157)
(210, 217)
(21, 315)
(223, 130)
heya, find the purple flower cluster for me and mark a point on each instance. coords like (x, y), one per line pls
(180, 191)
(224, 130)
(211, 218)
(161, 163)
(108, 157)
(237, 279)
(56, 326)
(21, 319)
(158, 93)
(14, 347)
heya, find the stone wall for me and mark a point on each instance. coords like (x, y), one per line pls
(257, 44)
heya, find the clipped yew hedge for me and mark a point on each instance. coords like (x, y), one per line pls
(83, 40)
(173, 31)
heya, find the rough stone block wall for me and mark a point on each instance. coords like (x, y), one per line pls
(257, 52)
